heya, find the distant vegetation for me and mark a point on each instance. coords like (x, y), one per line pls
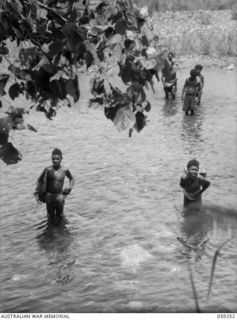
(180, 5)
(201, 32)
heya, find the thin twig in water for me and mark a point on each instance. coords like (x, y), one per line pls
(193, 287)
(214, 265)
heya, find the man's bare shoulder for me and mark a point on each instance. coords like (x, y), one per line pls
(66, 170)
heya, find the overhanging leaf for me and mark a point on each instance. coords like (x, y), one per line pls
(55, 47)
(91, 48)
(68, 29)
(29, 57)
(115, 39)
(14, 91)
(121, 26)
(3, 81)
(4, 50)
(72, 88)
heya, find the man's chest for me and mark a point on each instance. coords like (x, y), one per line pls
(56, 175)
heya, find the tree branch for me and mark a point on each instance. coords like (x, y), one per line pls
(39, 47)
(50, 10)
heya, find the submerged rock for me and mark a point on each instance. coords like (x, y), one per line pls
(133, 256)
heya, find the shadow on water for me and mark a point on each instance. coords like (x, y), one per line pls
(55, 239)
(55, 235)
(194, 230)
(198, 225)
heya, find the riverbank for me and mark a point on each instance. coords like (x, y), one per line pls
(189, 61)
(203, 33)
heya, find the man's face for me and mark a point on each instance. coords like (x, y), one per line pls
(193, 171)
(56, 160)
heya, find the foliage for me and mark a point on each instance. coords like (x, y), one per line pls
(207, 32)
(62, 36)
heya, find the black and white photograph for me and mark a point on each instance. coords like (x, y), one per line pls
(118, 158)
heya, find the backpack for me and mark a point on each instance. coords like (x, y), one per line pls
(42, 186)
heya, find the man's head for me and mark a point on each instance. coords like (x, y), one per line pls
(170, 56)
(193, 167)
(198, 67)
(56, 157)
(194, 73)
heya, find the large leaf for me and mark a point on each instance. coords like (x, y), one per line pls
(55, 47)
(5, 24)
(3, 81)
(70, 29)
(72, 88)
(89, 59)
(115, 39)
(29, 57)
(19, 73)
(31, 89)
(75, 44)
(81, 32)
(14, 91)
(121, 26)
(124, 119)
(140, 121)
(9, 154)
(4, 50)
(91, 49)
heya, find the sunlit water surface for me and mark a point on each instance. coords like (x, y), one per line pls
(125, 244)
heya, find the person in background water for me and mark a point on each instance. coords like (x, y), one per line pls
(193, 184)
(190, 90)
(169, 78)
(49, 186)
(13, 121)
(200, 77)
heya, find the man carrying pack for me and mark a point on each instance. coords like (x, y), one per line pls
(49, 187)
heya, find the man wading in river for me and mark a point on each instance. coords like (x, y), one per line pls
(193, 184)
(190, 90)
(49, 187)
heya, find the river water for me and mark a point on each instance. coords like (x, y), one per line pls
(125, 244)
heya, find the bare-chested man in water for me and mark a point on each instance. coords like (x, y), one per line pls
(49, 188)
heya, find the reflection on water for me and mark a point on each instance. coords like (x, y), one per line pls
(55, 236)
(170, 107)
(55, 240)
(194, 229)
(198, 225)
